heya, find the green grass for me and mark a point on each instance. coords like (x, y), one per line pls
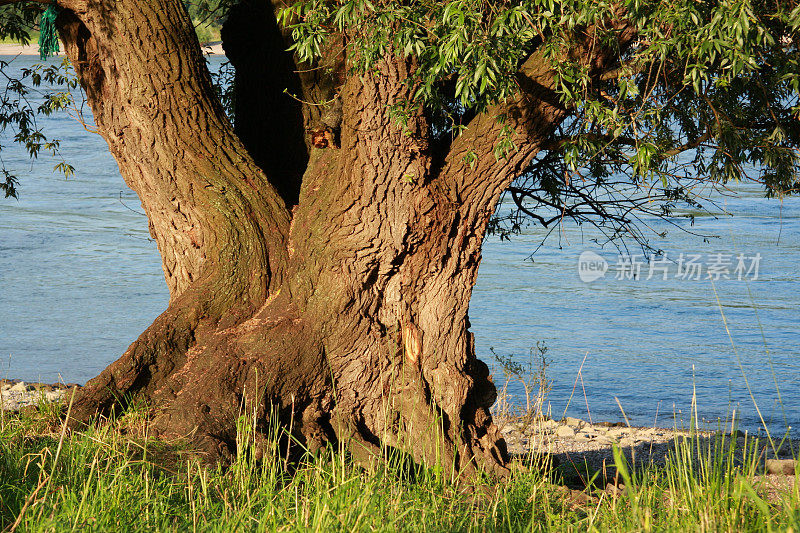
(114, 477)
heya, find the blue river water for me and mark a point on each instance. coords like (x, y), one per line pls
(80, 279)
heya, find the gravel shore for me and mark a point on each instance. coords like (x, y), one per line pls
(16, 395)
(575, 441)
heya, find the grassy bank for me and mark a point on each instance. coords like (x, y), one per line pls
(115, 477)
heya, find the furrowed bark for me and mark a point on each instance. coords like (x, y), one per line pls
(347, 319)
(396, 243)
(220, 226)
(204, 196)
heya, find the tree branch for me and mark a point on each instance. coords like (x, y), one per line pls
(557, 143)
(471, 169)
(471, 173)
(689, 145)
(634, 66)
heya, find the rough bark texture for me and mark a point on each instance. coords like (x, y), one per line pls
(347, 315)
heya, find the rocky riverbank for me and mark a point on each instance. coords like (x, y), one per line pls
(577, 442)
(16, 395)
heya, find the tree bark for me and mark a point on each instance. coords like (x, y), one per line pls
(347, 316)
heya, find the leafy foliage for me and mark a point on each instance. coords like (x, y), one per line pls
(17, 21)
(208, 11)
(207, 16)
(52, 84)
(706, 92)
(18, 114)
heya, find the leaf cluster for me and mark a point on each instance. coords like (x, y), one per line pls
(706, 92)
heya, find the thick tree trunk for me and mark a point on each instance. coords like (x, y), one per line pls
(346, 316)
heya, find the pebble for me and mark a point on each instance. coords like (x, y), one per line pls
(574, 422)
(565, 431)
(785, 467)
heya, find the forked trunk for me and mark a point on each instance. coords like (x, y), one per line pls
(346, 315)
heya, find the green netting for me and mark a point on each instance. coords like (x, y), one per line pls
(48, 36)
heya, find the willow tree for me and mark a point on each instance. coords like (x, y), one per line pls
(321, 244)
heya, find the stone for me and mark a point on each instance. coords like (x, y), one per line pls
(19, 387)
(52, 396)
(738, 434)
(626, 443)
(584, 437)
(617, 432)
(785, 467)
(574, 422)
(565, 431)
(5, 386)
(547, 424)
(615, 490)
(611, 424)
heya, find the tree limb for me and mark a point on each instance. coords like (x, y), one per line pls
(689, 145)
(529, 118)
(471, 171)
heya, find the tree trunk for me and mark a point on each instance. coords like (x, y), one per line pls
(346, 316)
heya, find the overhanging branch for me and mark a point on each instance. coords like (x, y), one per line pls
(474, 169)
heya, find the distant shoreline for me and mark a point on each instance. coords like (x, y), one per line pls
(32, 49)
(15, 49)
